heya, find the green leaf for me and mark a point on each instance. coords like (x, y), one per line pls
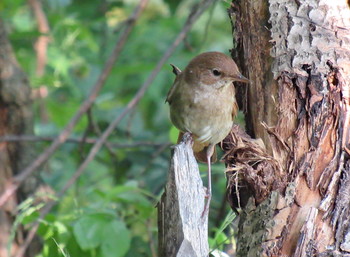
(116, 240)
(30, 218)
(220, 237)
(89, 230)
(173, 134)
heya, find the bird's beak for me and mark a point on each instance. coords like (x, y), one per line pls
(240, 78)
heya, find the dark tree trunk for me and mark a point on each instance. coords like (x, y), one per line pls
(296, 55)
(15, 119)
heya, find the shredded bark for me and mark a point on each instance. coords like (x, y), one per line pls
(250, 169)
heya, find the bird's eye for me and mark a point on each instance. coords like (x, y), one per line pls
(216, 72)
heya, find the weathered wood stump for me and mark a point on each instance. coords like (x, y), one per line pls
(183, 232)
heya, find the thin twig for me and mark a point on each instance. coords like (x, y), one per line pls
(43, 39)
(206, 28)
(62, 137)
(97, 131)
(193, 16)
(30, 138)
(41, 53)
(87, 130)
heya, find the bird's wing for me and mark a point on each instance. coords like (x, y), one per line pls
(234, 110)
(178, 73)
(235, 105)
(171, 91)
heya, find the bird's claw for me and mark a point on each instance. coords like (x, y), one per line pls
(187, 138)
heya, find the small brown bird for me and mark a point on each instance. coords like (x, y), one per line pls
(202, 102)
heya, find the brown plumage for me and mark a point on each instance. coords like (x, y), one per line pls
(202, 102)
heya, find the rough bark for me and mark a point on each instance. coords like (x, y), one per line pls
(15, 119)
(182, 230)
(297, 57)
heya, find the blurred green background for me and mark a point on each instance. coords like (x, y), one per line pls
(110, 211)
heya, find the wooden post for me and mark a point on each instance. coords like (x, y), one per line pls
(183, 232)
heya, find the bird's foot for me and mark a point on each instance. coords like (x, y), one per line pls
(187, 138)
(207, 203)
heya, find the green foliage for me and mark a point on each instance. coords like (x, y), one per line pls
(101, 230)
(103, 222)
(110, 210)
(221, 238)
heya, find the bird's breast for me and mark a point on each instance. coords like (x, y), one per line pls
(204, 111)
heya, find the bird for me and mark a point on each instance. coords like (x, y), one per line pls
(202, 102)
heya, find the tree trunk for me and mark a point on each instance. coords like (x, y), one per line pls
(15, 119)
(297, 56)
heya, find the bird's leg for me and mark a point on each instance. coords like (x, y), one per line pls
(210, 152)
